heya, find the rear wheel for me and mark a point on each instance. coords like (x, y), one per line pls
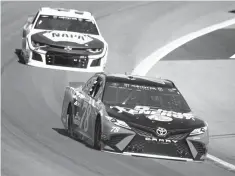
(70, 122)
(97, 138)
(23, 49)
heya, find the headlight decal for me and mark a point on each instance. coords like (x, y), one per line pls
(95, 50)
(199, 131)
(37, 45)
(118, 122)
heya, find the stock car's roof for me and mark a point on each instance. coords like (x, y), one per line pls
(141, 80)
(66, 12)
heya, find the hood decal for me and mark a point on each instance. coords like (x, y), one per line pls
(66, 38)
(154, 114)
(62, 36)
(159, 117)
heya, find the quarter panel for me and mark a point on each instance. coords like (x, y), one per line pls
(68, 98)
(92, 120)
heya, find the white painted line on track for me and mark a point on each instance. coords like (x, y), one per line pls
(233, 56)
(221, 162)
(146, 64)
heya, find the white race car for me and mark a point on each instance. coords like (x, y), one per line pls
(64, 39)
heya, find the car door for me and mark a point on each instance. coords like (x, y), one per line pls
(96, 96)
(83, 111)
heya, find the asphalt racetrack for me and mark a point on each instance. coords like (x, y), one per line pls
(33, 140)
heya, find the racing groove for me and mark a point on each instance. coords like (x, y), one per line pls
(32, 140)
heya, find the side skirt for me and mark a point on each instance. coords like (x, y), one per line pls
(82, 136)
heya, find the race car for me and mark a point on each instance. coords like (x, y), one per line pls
(64, 39)
(136, 116)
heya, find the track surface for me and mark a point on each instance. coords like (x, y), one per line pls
(32, 140)
(217, 45)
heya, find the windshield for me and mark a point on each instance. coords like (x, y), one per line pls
(130, 95)
(61, 23)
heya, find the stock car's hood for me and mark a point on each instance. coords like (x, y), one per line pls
(65, 38)
(135, 117)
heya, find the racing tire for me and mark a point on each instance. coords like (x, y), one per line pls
(22, 57)
(97, 136)
(70, 123)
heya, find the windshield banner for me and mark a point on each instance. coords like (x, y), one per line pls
(154, 114)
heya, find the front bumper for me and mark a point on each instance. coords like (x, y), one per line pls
(135, 142)
(152, 156)
(65, 61)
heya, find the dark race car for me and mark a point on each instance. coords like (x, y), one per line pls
(135, 116)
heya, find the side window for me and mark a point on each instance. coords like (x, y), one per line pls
(35, 17)
(100, 88)
(88, 84)
(100, 91)
(97, 88)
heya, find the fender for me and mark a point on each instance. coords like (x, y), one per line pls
(69, 96)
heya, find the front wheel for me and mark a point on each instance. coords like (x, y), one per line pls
(22, 58)
(70, 122)
(97, 135)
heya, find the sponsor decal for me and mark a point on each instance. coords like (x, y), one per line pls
(196, 138)
(62, 36)
(93, 103)
(76, 94)
(161, 132)
(115, 129)
(160, 118)
(143, 87)
(158, 140)
(149, 88)
(68, 48)
(77, 119)
(155, 114)
(121, 123)
(76, 103)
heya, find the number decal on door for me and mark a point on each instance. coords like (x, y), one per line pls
(86, 121)
(86, 113)
(115, 129)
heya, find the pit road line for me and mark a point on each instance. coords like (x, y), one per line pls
(146, 64)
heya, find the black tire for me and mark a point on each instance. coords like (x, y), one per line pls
(70, 122)
(97, 135)
(22, 59)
